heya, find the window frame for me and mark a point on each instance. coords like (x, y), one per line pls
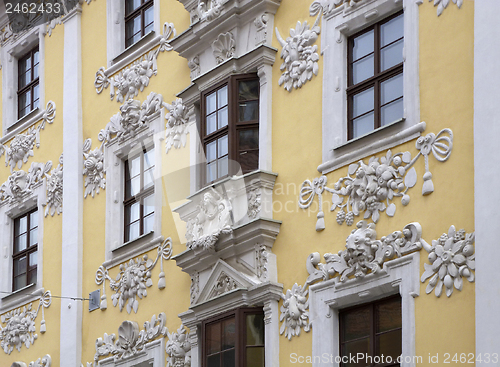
(240, 315)
(140, 11)
(374, 81)
(34, 82)
(233, 127)
(27, 251)
(140, 196)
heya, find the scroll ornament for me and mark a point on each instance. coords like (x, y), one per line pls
(20, 184)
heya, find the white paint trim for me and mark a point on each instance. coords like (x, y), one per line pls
(326, 298)
(486, 173)
(72, 216)
(337, 27)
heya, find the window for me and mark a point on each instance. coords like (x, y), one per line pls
(375, 77)
(139, 20)
(373, 330)
(230, 127)
(139, 200)
(24, 255)
(28, 82)
(235, 339)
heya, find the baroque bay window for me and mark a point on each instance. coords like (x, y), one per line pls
(24, 254)
(230, 127)
(375, 76)
(139, 200)
(139, 20)
(28, 82)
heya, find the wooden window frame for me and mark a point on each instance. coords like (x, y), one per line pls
(375, 80)
(139, 197)
(34, 82)
(27, 251)
(373, 332)
(233, 127)
(140, 11)
(240, 315)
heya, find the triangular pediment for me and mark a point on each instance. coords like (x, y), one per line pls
(223, 279)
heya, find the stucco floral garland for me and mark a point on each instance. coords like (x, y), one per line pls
(55, 189)
(133, 279)
(135, 77)
(45, 361)
(20, 325)
(370, 187)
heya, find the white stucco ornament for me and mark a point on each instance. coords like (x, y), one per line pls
(20, 184)
(294, 313)
(135, 77)
(369, 188)
(443, 4)
(178, 348)
(45, 361)
(299, 54)
(134, 278)
(176, 128)
(20, 328)
(224, 47)
(93, 168)
(209, 10)
(55, 189)
(451, 258)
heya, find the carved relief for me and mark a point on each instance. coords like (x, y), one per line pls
(194, 66)
(261, 262)
(20, 183)
(294, 314)
(451, 258)
(178, 348)
(209, 10)
(299, 54)
(261, 27)
(93, 169)
(134, 78)
(371, 187)
(213, 219)
(194, 290)
(133, 279)
(254, 203)
(130, 340)
(224, 47)
(224, 284)
(45, 361)
(20, 325)
(21, 147)
(176, 129)
(55, 189)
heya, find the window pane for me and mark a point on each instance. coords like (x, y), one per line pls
(391, 89)
(24, 102)
(358, 346)
(255, 357)
(356, 323)
(21, 225)
(362, 125)
(131, 5)
(149, 159)
(222, 146)
(362, 45)
(149, 204)
(392, 112)
(133, 231)
(35, 72)
(213, 361)
(148, 20)
(248, 89)
(211, 103)
(34, 219)
(392, 30)
(32, 277)
(222, 97)
(132, 212)
(362, 102)
(20, 266)
(362, 69)
(222, 167)
(389, 344)
(229, 333)
(34, 237)
(249, 111)
(33, 258)
(134, 166)
(248, 139)
(19, 282)
(20, 243)
(212, 171)
(222, 117)
(149, 223)
(135, 186)
(391, 55)
(255, 330)
(388, 315)
(211, 151)
(36, 59)
(213, 338)
(23, 66)
(211, 123)
(249, 160)
(36, 97)
(149, 177)
(229, 359)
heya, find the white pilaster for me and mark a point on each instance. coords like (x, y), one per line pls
(486, 175)
(265, 118)
(272, 335)
(72, 238)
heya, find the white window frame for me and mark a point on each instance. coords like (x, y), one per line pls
(10, 52)
(115, 155)
(8, 213)
(338, 26)
(326, 298)
(115, 12)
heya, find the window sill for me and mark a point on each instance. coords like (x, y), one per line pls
(22, 123)
(21, 296)
(134, 47)
(133, 248)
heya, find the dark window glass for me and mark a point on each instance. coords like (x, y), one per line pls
(139, 20)
(24, 255)
(139, 195)
(375, 73)
(28, 82)
(231, 127)
(374, 330)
